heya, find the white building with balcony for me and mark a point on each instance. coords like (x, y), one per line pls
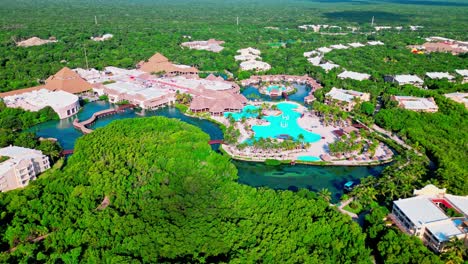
(22, 166)
(433, 216)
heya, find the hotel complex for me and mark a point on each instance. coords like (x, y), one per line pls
(433, 216)
(22, 166)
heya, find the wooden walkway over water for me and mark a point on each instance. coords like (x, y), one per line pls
(83, 125)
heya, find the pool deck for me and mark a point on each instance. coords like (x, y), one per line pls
(308, 122)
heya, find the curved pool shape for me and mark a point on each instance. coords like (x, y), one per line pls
(246, 112)
(285, 123)
(275, 87)
(308, 158)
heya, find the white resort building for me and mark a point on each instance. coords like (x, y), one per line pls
(103, 37)
(254, 65)
(459, 98)
(464, 74)
(418, 104)
(439, 76)
(354, 75)
(348, 98)
(64, 104)
(426, 216)
(22, 167)
(407, 79)
(328, 66)
(356, 45)
(212, 45)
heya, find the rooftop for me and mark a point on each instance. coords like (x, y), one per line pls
(354, 75)
(439, 75)
(346, 95)
(420, 210)
(463, 73)
(406, 78)
(416, 103)
(444, 230)
(459, 97)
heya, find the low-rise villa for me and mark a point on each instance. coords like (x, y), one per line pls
(249, 50)
(328, 66)
(458, 97)
(418, 104)
(426, 216)
(254, 65)
(439, 76)
(375, 43)
(348, 98)
(35, 41)
(160, 64)
(212, 45)
(354, 75)
(356, 45)
(103, 37)
(464, 74)
(339, 46)
(22, 166)
(407, 79)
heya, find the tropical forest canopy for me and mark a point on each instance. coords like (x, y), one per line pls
(152, 190)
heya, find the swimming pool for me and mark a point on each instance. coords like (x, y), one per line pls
(286, 124)
(247, 112)
(275, 87)
(308, 158)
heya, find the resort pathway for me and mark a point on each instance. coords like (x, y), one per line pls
(345, 203)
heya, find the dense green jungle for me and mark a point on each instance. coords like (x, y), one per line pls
(152, 191)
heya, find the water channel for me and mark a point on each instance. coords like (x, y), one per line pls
(283, 177)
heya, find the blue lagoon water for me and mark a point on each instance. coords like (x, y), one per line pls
(254, 174)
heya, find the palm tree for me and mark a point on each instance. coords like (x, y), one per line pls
(455, 250)
(325, 194)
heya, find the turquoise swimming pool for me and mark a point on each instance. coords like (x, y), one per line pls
(308, 158)
(247, 112)
(275, 87)
(285, 123)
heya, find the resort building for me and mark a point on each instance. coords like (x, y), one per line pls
(339, 46)
(22, 166)
(259, 79)
(254, 65)
(315, 60)
(427, 216)
(208, 45)
(146, 97)
(311, 53)
(328, 66)
(103, 37)
(64, 80)
(216, 102)
(439, 76)
(354, 75)
(249, 50)
(446, 46)
(64, 104)
(463, 73)
(348, 98)
(160, 64)
(414, 28)
(324, 49)
(416, 103)
(247, 57)
(406, 79)
(35, 41)
(375, 43)
(459, 98)
(356, 45)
